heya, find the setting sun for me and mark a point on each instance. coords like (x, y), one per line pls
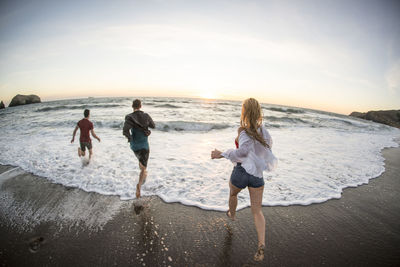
(208, 95)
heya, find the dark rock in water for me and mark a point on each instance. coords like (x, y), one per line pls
(24, 99)
(388, 117)
(2, 105)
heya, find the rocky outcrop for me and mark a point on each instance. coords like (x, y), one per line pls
(2, 105)
(24, 99)
(388, 117)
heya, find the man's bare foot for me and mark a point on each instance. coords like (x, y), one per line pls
(137, 191)
(228, 213)
(85, 162)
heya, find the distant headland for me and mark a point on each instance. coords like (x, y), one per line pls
(388, 117)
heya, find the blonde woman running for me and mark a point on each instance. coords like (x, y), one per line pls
(251, 158)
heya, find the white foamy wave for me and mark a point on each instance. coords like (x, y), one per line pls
(116, 124)
(284, 110)
(167, 106)
(180, 168)
(315, 163)
(80, 107)
(189, 126)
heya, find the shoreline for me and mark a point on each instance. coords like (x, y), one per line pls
(7, 167)
(42, 223)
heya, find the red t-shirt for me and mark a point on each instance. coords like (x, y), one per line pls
(85, 126)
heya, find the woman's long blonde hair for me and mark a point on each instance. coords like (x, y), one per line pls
(251, 119)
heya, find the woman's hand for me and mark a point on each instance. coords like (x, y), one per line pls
(216, 154)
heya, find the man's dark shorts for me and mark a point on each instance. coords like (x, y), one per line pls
(86, 144)
(143, 156)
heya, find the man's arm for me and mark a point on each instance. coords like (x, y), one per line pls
(126, 129)
(73, 134)
(151, 122)
(94, 135)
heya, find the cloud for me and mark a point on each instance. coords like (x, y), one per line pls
(393, 77)
(172, 41)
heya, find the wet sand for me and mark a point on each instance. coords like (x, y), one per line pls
(45, 224)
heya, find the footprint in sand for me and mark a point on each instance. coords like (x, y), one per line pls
(138, 208)
(34, 244)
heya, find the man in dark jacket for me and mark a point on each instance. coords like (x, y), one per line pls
(136, 129)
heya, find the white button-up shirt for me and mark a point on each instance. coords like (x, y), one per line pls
(255, 158)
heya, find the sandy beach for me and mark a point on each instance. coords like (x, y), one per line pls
(46, 224)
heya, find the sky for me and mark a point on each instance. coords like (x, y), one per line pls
(338, 56)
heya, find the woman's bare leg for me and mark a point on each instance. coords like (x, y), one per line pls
(233, 200)
(259, 221)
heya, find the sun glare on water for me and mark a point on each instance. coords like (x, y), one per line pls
(208, 95)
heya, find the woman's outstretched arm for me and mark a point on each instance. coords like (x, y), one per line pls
(236, 155)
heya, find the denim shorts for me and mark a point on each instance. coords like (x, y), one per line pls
(240, 178)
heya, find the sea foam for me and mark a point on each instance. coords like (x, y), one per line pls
(319, 154)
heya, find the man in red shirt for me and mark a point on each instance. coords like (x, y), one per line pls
(85, 125)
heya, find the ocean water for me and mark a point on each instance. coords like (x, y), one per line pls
(319, 153)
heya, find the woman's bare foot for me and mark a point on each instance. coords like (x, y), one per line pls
(259, 256)
(137, 191)
(228, 213)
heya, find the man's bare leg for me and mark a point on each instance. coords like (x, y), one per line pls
(90, 153)
(142, 177)
(80, 152)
